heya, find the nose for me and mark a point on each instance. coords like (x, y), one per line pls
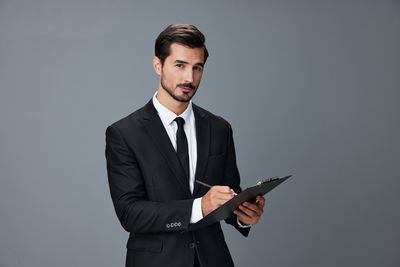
(188, 75)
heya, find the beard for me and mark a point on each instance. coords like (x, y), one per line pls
(186, 98)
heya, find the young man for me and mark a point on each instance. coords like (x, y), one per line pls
(155, 155)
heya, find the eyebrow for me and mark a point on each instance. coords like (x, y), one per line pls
(184, 62)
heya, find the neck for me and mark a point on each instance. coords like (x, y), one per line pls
(170, 103)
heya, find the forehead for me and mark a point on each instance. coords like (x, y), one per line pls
(185, 53)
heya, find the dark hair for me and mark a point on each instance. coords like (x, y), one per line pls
(184, 34)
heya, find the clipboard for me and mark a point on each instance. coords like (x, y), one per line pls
(249, 194)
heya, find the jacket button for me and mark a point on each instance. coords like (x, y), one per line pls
(192, 245)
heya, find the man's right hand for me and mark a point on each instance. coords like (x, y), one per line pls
(215, 197)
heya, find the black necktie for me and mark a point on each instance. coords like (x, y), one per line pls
(182, 146)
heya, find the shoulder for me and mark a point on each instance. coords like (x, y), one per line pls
(130, 122)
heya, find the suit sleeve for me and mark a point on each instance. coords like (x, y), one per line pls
(135, 212)
(232, 179)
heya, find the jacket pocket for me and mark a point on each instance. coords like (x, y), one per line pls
(144, 243)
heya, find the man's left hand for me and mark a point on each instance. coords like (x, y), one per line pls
(250, 213)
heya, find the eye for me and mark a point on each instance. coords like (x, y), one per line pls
(197, 68)
(179, 65)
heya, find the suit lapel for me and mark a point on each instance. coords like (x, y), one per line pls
(156, 130)
(203, 144)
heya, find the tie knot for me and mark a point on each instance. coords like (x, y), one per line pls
(180, 121)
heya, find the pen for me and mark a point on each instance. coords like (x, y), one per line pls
(207, 185)
(204, 184)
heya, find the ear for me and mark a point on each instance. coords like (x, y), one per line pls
(157, 65)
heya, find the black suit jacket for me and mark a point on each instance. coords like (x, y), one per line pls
(151, 195)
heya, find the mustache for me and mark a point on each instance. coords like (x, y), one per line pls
(189, 85)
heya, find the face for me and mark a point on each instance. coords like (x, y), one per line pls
(181, 72)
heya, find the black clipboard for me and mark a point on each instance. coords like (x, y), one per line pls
(249, 194)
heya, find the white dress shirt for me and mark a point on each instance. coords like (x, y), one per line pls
(167, 118)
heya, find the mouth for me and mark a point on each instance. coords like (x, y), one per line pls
(186, 89)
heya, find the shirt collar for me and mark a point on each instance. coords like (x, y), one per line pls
(167, 115)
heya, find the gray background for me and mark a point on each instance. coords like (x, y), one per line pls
(311, 88)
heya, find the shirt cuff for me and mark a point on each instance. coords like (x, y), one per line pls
(197, 214)
(242, 225)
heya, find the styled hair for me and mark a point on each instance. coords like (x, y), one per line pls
(184, 34)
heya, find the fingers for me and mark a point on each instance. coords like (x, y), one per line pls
(223, 189)
(222, 192)
(222, 197)
(260, 201)
(215, 197)
(243, 217)
(250, 209)
(250, 213)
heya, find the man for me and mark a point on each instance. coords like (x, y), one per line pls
(155, 155)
